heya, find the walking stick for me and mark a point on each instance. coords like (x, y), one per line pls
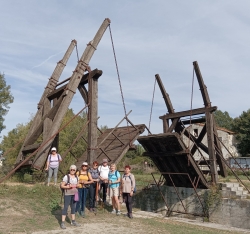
(96, 193)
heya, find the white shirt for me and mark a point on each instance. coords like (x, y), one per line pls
(104, 171)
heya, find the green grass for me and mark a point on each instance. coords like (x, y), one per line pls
(37, 208)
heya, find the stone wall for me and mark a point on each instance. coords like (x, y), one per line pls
(232, 212)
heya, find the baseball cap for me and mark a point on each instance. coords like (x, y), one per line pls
(85, 163)
(73, 167)
(53, 149)
(105, 160)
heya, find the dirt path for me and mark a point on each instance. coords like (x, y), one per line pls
(112, 224)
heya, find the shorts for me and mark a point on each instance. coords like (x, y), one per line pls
(114, 192)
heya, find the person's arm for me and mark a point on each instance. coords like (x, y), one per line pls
(60, 158)
(132, 185)
(99, 169)
(47, 165)
(90, 179)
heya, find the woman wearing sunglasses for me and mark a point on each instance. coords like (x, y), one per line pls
(85, 180)
(69, 184)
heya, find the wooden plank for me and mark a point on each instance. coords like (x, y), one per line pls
(50, 87)
(189, 112)
(164, 154)
(92, 118)
(164, 94)
(203, 87)
(72, 86)
(211, 147)
(56, 93)
(173, 125)
(83, 91)
(30, 148)
(223, 171)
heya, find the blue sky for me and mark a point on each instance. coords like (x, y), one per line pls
(150, 37)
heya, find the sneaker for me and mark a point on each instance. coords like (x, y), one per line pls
(82, 214)
(118, 212)
(63, 225)
(74, 223)
(113, 212)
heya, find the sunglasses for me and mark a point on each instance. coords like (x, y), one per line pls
(84, 165)
(72, 169)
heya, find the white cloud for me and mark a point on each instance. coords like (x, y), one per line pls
(150, 37)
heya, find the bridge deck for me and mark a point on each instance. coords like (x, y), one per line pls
(116, 145)
(171, 156)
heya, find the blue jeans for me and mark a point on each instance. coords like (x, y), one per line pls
(80, 205)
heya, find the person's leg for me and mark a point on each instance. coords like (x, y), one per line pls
(101, 190)
(64, 210)
(55, 175)
(105, 187)
(95, 187)
(78, 204)
(73, 208)
(125, 197)
(85, 192)
(116, 201)
(91, 195)
(49, 175)
(130, 206)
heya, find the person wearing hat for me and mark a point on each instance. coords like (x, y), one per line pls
(69, 185)
(104, 174)
(85, 179)
(52, 164)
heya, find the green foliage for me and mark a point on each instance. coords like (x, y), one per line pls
(5, 99)
(14, 137)
(223, 119)
(212, 198)
(241, 126)
(66, 138)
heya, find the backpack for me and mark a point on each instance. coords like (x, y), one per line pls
(87, 173)
(117, 178)
(68, 182)
(134, 191)
(57, 158)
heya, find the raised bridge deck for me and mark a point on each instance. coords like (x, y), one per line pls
(171, 157)
(116, 145)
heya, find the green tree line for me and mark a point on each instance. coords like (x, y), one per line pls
(240, 125)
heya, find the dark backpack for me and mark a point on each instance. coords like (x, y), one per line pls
(134, 191)
(68, 182)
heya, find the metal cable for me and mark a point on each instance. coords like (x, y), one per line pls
(118, 75)
(191, 110)
(151, 106)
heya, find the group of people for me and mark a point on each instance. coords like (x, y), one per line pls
(91, 180)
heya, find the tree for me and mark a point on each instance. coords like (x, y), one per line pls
(241, 125)
(223, 119)
(66, 138)
(5, 99)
